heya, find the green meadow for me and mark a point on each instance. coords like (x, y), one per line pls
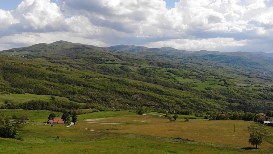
(21, 98)
(125, 132)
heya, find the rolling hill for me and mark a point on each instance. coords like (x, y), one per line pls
(130, 77)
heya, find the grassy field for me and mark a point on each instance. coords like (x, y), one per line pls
(119, 144)
(21, 98)
(200, 130)
(126, 132)
(34, 116)
(105, 114)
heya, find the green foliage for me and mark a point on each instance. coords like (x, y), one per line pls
(66, 117)
(51, 116)
(256, 135)
(175, 117)
(172, 118)
(140, 111)
(7, 129)
(260, 118)
(44, 105)
(128, 77)
(255, 139)
(269, 114)
(74, 117)
(247, 116)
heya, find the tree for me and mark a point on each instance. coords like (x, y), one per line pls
(74, 117)
(51, 116)
(255, 139)
(256, 134)
(66, 117)
(260, 118)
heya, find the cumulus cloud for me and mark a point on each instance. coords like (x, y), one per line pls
(6, 19)
(141, 18)
(225, 25)
(42, 21)
(39, 15)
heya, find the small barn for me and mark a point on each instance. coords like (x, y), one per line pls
(56, 121)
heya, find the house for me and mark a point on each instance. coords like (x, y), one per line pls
(56, 121)
(269, 121)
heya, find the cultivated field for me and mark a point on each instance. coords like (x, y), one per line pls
(126, 132)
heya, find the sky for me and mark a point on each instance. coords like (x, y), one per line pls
(216, 25)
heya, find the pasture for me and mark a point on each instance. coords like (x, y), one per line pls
(126, 132)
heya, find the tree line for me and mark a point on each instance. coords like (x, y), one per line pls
(247, 116)
(52, 105)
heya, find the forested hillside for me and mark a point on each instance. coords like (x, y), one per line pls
(130, 77)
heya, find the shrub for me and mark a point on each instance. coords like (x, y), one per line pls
(7, 129)
(140, 111)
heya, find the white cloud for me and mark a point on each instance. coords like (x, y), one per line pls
(201, 44)
(27, 39)
(39, 15)
(81, 24)
(141, 18)
(6, 19)
(191, 24)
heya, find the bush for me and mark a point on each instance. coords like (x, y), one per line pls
(175, 117)
(140, 111)
(171, 118)
(7, 129)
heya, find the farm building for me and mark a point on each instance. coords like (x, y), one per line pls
(56, 121)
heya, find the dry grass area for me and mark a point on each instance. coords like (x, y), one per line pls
(200, 130)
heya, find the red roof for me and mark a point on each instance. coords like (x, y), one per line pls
(58, 121)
